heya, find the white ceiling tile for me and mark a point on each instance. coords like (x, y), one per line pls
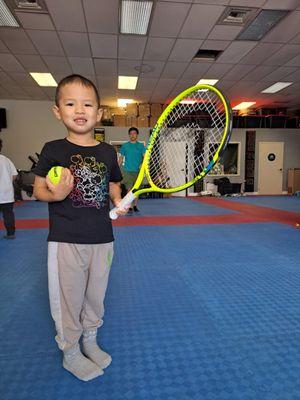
(220, 2)
(83, 66)
(295, 40)
(125, 93)
(36, 93)
(247, 3)
(23, 79)
(185, 49)
(215, 44)
(224, 32)
(32, 63)
(260, 53)
(107, 82)
(236, 51)
(279, 74)
(217, 71)
(168, 19)
(106, 67)
(154, 69)
(3, 48)
(174, 69)
(281, 5)
(158, 49)
(6, 81)
(104, 46)
(238, 72)
(293, 77)
(18, 92)
(196, 70)
(76, 44)
(200, 21)
(69, 17)
(47, 42)
(294, 62)
(128, 67)
(102, 15)
(35, 21)
(58, 64)
(225, 85)
(131, 47)
(283, 55)
(50, 91)
(285, 30)
(258, 72)
(146, 84)
(9, 63)
(181, 85)
(17, 41)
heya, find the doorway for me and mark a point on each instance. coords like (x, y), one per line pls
(270, 167)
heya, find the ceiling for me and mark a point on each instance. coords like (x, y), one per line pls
(82, 36)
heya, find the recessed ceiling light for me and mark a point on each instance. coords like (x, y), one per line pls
(6, 17)
(127, 82)
(44, 79)
(244, 105)
(211, 82)
(135, 16)
(123, 102)
(277, 87)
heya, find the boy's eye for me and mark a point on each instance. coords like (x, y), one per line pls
(69, 104)
(89, 105)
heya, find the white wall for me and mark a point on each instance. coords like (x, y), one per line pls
(31, 123)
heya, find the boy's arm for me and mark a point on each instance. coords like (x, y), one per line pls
(45, 190)
(115, 192)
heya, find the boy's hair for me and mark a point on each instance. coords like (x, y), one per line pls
(133, 129)
(75, 78)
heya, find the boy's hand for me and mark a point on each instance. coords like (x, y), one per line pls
(61, 190)
(121, 211)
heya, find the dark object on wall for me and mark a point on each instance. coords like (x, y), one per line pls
(3, 122)
(226, 187)
(249, 161)
(24, 181)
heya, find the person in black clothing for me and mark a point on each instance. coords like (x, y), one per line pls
(80, 247)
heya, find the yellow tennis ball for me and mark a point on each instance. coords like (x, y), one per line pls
(54, 174)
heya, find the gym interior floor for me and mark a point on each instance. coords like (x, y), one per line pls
(203, 303)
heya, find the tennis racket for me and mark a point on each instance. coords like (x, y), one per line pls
(187, 141)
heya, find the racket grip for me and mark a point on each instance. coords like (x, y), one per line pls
(125, 202)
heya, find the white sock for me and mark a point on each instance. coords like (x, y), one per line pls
(80, 366)
(91, 349)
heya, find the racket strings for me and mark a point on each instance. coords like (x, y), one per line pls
(188, 140)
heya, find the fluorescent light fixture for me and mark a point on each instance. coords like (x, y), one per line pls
(44, 79)
(123, 102)
(127, 82)
(277, 87)
(135, 16)
(6, 17)
(211, 82)
(191, 102)
(244, 105)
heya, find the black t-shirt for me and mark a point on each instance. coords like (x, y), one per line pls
(83, 217)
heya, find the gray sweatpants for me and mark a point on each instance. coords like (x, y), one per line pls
(77, 279)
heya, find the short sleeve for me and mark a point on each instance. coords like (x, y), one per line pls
(115, 173)
(45, 162)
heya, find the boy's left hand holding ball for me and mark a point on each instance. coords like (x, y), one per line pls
(60, 182)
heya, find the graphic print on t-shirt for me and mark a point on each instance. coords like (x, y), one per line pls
(90, 182)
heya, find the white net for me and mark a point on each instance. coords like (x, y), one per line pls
(187, 141)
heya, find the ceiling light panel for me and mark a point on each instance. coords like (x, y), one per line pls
(123, 102)
(135, 16)
(211, 82)
(277, 87)
(6, 17)
(244, 105)
(127, 82)
(44, 79)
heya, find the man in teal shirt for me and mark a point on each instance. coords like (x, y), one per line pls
(132, 152)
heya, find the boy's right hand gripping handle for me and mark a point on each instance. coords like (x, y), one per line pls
(125, 203)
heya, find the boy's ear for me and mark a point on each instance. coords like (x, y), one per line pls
(56, 112)
(99, 114)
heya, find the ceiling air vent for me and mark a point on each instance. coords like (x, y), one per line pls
(263, 22)
(203, 54)
(237, 16)
(30, 6)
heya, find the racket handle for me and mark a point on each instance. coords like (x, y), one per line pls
(125, 202)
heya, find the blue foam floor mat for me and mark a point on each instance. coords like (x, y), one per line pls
(192, 312)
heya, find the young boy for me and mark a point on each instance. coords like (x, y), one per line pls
(80, 247)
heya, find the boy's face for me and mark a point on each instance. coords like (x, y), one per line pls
(78, 108)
